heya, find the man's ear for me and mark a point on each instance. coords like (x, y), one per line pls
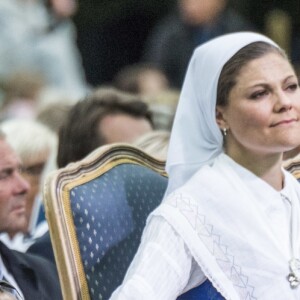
(221, 117)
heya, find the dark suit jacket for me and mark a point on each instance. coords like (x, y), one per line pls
(36, 277)
(43, 247)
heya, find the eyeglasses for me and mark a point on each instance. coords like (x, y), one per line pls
(6, 287)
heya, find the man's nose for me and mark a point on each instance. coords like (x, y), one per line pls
(21, 184)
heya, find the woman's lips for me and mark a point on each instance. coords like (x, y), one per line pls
(284, 122)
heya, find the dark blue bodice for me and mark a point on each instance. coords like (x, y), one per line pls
(205, 291)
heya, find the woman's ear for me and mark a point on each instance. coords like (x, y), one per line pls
(220, 117)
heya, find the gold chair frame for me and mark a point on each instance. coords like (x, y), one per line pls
(59, 214)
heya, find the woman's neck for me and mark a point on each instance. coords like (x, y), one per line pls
(268, 167)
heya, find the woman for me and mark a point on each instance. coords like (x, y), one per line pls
(231, 215)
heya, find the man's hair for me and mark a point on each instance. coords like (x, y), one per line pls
(29, 138)
(80, 134)
(155, 143)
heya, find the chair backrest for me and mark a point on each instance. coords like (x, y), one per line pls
(96, 210)
(293, 166)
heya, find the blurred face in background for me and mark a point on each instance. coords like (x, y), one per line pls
(198, 12)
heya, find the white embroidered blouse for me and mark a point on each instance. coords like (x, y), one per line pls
(164, 267)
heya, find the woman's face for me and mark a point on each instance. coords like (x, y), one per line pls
(263, 111)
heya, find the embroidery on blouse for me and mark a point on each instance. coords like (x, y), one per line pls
(213, 243)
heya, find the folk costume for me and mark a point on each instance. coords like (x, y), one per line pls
(219, 222)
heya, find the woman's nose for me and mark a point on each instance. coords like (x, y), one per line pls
(283, 102)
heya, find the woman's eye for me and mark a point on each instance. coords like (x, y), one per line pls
(293, 87)
(259, 94)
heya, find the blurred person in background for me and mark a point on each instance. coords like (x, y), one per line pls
(53, 115)
(38, 36)
(150, 82)
(163, 107)
(53, 107)
(141, 78)
(20, 95)
(32, 276)
(36, 145)
(105, 116)
(154, 143)
(171, 43)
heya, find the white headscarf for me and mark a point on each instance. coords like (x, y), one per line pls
(196, 138)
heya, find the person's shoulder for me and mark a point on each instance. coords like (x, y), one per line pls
(43, 247)
(45, 271)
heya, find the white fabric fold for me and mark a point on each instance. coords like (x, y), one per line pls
(227, 232)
